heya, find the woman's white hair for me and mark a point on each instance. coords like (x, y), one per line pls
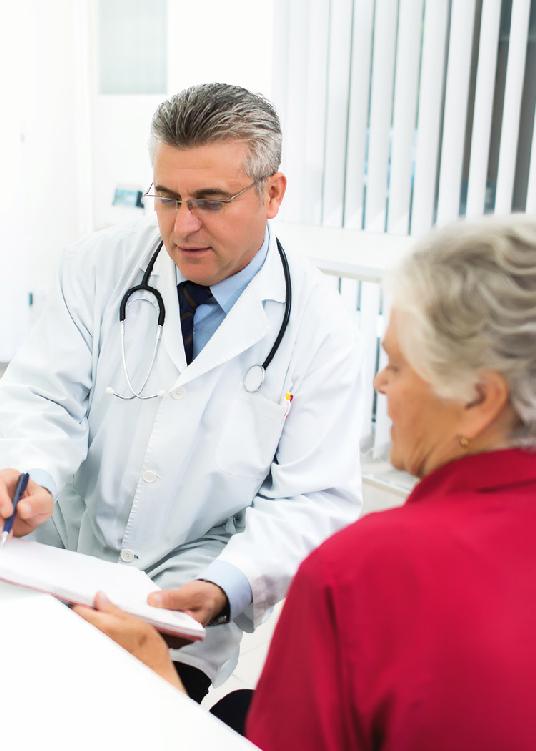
(467, 303)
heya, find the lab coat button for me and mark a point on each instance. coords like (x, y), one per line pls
(149, 476)
(127, 556)
(177, 393)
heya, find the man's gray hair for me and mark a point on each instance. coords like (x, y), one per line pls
(220, 112)
(467, 295)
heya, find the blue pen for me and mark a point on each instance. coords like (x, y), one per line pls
(22, 482)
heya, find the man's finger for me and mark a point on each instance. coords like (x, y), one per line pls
(8, 480)
(36, 502)
(172, 599)
(6, 507)
(29, 508)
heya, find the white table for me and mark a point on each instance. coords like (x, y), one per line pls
(64, 685)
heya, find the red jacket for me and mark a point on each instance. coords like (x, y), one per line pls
(415, 628)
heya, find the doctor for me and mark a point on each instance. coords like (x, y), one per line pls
(175, 454)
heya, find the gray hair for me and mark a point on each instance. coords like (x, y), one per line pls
(220, 112)
(468, 298)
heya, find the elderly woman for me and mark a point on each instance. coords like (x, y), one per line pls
(414, 629)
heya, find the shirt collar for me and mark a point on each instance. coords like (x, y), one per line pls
(486, 471)
(227, 292)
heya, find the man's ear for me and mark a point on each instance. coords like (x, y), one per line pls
(276, 186)
(491, 400)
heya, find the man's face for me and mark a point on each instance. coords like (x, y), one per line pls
(211, 246)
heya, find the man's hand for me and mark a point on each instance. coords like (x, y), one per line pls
(34, 508)
(202, 600)
(137, 637)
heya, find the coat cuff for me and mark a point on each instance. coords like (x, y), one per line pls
(233, 582)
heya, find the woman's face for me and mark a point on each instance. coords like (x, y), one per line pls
(425, 428)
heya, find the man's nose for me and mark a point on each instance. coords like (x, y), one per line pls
(186, 221)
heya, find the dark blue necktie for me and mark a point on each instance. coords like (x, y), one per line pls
(191, 296)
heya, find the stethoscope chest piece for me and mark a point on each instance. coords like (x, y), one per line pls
(254, 378)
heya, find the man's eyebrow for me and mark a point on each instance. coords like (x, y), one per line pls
(163, 189)
(201, 193)
(207, 192)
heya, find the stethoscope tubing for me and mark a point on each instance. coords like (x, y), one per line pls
(288, 306)
(144, 286)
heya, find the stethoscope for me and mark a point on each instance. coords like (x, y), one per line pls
(255, 375)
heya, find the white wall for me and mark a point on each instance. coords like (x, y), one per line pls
(13, 300)
(207, 41)
(39, 212)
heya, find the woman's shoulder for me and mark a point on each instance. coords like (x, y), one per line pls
(384, 537)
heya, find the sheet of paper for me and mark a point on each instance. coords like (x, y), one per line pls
(75, 577)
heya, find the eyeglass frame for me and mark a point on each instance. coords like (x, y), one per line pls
(193, 204)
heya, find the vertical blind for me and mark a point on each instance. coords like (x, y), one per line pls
(402, 114)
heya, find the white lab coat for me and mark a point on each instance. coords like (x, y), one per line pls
(206, 470)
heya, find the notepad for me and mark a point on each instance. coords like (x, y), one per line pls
(76, 578)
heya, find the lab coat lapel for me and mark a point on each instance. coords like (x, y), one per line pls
(164, 278)
(246, 323)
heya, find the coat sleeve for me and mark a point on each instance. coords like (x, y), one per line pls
(314, 484)
(44, 392)
(301, 698)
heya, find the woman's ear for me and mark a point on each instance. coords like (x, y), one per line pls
(492, 400)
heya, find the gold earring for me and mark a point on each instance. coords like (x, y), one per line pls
(463, 441)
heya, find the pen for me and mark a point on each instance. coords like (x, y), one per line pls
(22, 482)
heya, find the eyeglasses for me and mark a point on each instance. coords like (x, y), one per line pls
(209, 205)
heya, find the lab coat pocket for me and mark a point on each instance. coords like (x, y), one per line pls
(249, 440)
